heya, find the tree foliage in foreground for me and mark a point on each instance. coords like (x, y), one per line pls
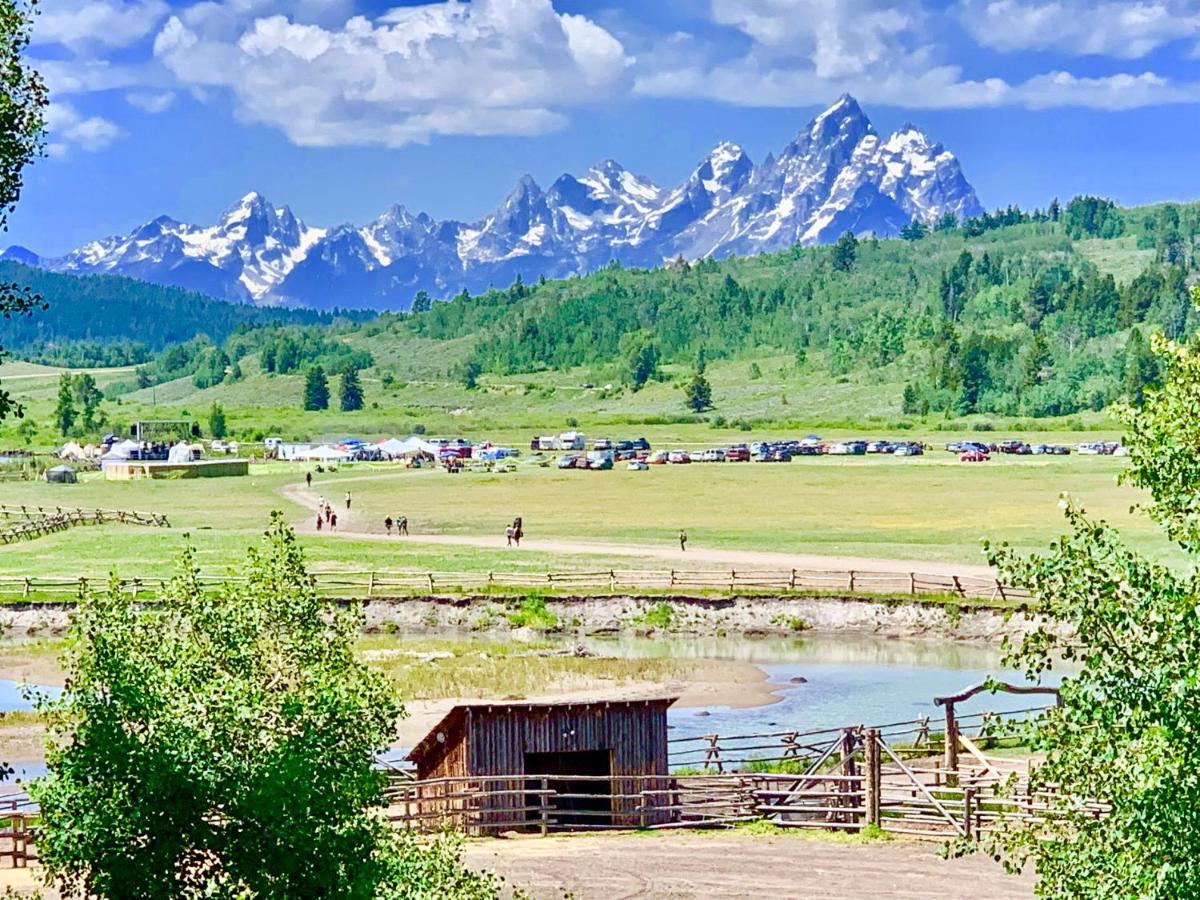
(220, 744)
(22, 126)
(1128, 731)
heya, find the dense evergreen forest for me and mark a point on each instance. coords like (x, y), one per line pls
(104, 320)
(1016, 313)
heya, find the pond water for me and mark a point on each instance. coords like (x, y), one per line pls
(849, 680)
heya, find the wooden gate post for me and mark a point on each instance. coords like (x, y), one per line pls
(874, 771)
(969, 813)
(849, 769)
(951, 746)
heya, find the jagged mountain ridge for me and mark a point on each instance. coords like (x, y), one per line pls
(838, 174)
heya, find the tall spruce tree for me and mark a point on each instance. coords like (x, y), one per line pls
(316, 389)
(352, 391)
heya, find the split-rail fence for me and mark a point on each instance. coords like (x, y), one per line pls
(383, 584)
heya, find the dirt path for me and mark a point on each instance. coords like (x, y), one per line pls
(350, 528)
(724, 864)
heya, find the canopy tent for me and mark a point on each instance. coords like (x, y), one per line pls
(61, 475)
(393, 447)
(180, 453)
(71, 450)
(327, 454)
(121, 452)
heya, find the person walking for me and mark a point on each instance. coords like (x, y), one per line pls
(347, 501)
(308, 479)
(319, 521)
(333, 521)
(682, 540)
(387, 523)
(328, 513)
(402, 527)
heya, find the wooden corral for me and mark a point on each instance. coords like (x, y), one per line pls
(594, 757)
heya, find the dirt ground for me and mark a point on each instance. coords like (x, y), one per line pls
(351, 528)
(731, 864)
(717, 865)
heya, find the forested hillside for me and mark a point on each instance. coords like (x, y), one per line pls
(1018, 314)
(106, 320)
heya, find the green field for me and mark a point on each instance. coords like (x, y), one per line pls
(931, 508)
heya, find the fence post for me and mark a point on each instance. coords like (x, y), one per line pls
(672, 578)
(370, 583)
(969, 812)
(430, 582)
(874, 771)
(544, 799)
(26, 591)
(612, 581)
(1000, 589)
(951, 746)
(912, 583)
(732, 580)
(851, 581)
(792, 581)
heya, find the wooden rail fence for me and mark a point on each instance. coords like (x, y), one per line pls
(888, 777)
(383, 584)
(28, 522)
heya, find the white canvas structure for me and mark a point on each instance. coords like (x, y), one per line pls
(394, 448)
(327, 454)
(71, 450)
(180, 453)
(121, 452)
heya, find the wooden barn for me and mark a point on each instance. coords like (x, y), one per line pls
(501, 766)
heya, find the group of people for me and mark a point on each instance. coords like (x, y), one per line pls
(401, 524)
(326, 515)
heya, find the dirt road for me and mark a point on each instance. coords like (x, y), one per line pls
(724, 864)
(350, 528)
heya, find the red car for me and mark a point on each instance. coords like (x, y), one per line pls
(974, 456)
(738, 454)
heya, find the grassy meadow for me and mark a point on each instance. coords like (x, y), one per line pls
(932, 508)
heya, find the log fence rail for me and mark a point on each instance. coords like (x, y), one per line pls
(369, 584)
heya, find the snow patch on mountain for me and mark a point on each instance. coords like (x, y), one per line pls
(837, 174)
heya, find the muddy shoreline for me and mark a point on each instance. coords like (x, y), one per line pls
(744, 615)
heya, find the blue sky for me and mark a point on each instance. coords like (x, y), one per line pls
(342, 107)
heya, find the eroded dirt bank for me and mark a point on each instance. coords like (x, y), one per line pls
(734, 615)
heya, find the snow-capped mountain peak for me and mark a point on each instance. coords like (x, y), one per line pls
(837, 174)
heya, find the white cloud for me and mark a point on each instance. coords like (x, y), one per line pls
(487, 67)
(66, 128)
(151, 102)
(1125, 29)
(111, 23)
(838, 37)
(805, 52)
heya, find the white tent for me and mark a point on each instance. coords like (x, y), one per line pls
(394, 448)
(71, 450)
(180, 453)
(417, 445)
(122, 451)
(327, 454)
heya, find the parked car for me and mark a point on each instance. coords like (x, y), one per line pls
(1018, 447)
(804, 448)
(909, 448)
(602, 444)
(569, 462)
(218, 447)
(640, 444)
(603, 464)
(973, 456)
(740, 453)
(881, 447)
(679, 457)
(781, 455)
(658, 458)
(636, 465)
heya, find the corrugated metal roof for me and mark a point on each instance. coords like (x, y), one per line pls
(428, 743)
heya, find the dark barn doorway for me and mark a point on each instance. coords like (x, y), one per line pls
(588, 800)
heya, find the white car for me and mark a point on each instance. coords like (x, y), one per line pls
(219, 447)
(636, 465)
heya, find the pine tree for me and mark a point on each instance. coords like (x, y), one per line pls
(422, 302)
(698, 393)
(316, 390)
(845, 252)
(216, 421)
(1141, 368)
(352, 391)
(65, 412)
(88, 396)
